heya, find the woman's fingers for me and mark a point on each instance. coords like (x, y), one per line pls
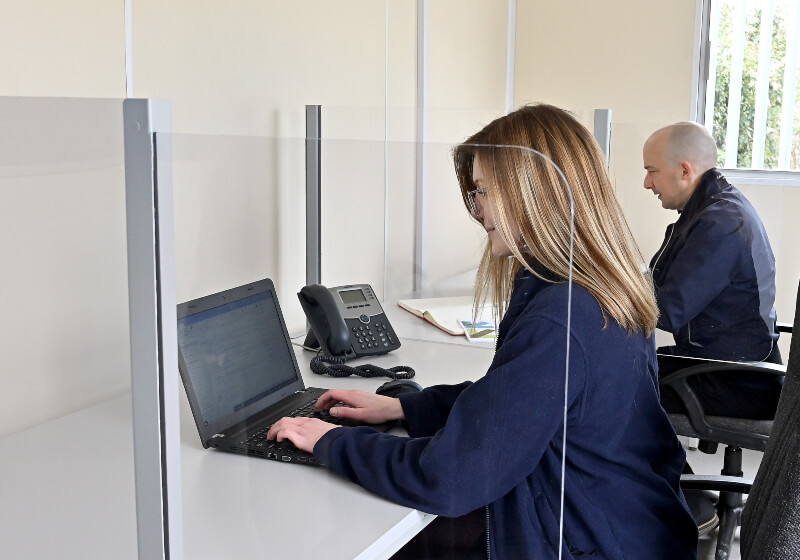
(304, 433)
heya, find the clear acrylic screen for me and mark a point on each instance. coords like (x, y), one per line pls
(240, 217)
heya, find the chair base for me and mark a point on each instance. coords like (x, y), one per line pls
(729, 505)
(730, 519)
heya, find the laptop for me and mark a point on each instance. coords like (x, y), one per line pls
(240, 372)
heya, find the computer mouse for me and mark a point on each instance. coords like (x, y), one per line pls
(397, 387)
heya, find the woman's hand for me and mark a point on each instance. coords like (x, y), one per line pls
(366, 407)
(303, 432)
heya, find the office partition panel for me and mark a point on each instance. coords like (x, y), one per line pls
(239, 213)
(67, 467)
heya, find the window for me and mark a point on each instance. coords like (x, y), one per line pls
(752, 104)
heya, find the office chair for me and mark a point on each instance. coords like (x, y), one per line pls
(771, 517)
(734, 433)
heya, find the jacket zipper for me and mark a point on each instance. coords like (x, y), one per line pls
(664, 248)
(486, 507)
(655, 264)
(488, 542)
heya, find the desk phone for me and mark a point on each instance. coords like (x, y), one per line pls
(346, 321)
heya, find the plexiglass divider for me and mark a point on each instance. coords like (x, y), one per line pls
(239, 218)
(67, 470)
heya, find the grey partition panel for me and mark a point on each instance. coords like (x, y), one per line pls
(154, 364)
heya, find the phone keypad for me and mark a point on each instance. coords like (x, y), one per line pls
(377, 336)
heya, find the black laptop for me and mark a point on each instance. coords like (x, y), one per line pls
(240, 372)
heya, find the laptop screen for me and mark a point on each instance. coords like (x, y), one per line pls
(236, 355)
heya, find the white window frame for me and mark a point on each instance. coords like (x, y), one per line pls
(703, 73)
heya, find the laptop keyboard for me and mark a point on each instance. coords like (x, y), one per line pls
(259, 439)
(307, 411)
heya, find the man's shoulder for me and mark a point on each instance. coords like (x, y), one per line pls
(730, 210)
(722, 211)
(719, 218)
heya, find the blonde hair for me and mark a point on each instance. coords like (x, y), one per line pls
(525, 189)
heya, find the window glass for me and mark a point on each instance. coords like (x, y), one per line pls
(752, 106)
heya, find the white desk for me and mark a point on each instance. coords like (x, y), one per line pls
(67, 486)
(417, 329)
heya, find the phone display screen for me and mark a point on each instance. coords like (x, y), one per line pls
(352, 296)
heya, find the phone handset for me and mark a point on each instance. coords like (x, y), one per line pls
(346, 321)
(326, 321)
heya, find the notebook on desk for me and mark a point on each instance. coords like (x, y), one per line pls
(240, 372)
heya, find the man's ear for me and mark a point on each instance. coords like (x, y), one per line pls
(687, 170)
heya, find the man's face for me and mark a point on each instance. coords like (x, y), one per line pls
(669, 181)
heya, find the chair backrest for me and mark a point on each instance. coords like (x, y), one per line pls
(771, 518)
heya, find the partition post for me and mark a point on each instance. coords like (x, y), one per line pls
(313, 193)
(420, 227)
(602, 132)
(153, 331)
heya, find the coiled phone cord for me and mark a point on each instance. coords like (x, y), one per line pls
(337, 368)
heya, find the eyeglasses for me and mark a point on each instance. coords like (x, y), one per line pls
(473, 207)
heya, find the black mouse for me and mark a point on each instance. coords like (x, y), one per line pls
(397, 387)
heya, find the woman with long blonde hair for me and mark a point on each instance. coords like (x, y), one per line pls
(590, 472)
(606, 261)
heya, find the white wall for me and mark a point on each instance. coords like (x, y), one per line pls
(777, 206)
(62, 49)
(633, 58)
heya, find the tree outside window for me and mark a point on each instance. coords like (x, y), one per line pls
(753, 82)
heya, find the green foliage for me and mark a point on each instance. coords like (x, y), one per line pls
(749, 76)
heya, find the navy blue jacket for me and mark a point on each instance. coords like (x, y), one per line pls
(715, 277)
(498, 441)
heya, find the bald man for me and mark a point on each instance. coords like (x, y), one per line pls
(714, 274)
(715, 283)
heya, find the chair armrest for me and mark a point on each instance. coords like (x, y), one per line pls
(716, 483)
(784, 327)
(678, 381)
(697, 366)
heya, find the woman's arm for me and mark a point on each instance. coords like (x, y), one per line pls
(428, 413)
(495, 434)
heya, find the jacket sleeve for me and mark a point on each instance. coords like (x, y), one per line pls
(705, 266)
(497, 430)
(427, 411)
